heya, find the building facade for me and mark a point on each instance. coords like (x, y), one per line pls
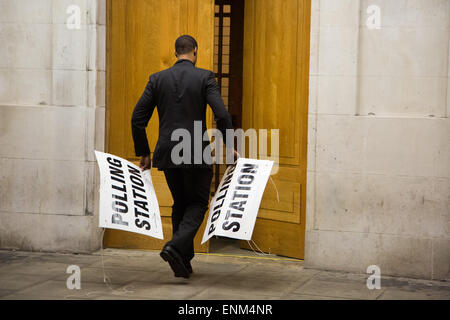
(377, 170)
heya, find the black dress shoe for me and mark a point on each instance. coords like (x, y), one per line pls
(175, 261)
(188, 267)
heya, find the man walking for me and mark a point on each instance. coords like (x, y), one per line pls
(180, 94)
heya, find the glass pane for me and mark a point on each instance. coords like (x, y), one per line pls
(227, 8)
(225, 82)
(226, 22)
(224, 91)
(225, 59)
(225, 49)
(225, 68)
(226, 31)
(216, 8)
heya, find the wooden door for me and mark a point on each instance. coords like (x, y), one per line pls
(275, 96)
(140, 41)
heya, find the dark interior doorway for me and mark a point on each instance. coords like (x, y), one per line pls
(228, 66)
(228, 60)
(228, 54)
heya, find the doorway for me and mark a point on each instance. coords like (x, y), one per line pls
(264, 80)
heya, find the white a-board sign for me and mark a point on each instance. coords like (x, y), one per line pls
(127, 197)
(233, 210)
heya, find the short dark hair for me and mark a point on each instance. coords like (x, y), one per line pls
(185, 44)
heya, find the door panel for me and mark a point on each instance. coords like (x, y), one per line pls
(275, 96)
(140, 41)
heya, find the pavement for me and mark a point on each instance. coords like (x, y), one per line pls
(143, 275)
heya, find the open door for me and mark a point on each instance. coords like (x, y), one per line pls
(275, 96)
(140, 41)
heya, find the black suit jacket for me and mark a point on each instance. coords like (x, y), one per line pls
(180, 94)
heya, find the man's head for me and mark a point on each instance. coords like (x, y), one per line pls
(186, 48)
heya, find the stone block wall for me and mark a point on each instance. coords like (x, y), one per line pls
(52, 117)
(379, 138)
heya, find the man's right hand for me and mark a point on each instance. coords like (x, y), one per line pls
(145, 163)
(236, 155)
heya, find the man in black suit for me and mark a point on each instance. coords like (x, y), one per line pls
(181, 94)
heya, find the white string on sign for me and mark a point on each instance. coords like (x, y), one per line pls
(276, 189)
(260, 253)
(105, 278)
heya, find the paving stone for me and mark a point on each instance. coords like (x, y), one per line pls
(17, 281)
(120, 297)
(295, 296)
(214, 268)
(278, 271)
(243, 285)
(340, 276)
(113, 275)
(152, 263)
(215, 294)
(339, 289)
(35, 268)
(413, 284)
(4, 292)
(165, 288)
(416, 291)
(68, 259)
(11, 257)
(144, 275)
(214, 258)
(58, 290)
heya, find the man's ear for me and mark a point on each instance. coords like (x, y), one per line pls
(175, 53)
(195, 52)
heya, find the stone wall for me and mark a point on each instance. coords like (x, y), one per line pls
(52, 116)
(379, 138)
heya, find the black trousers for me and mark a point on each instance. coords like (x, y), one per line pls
(190, 189)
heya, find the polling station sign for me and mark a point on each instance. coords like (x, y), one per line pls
(127, 197)
(233, 210)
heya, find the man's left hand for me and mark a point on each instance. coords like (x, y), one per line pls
(145, 163)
